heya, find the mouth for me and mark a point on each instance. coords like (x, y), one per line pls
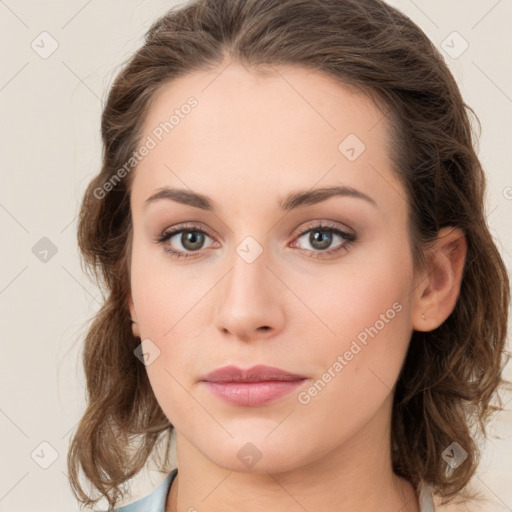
(255, 386)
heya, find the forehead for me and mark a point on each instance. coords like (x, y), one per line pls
(270, 98)
(268, 131)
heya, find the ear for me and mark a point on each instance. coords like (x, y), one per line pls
(133, 316)
(437, 288)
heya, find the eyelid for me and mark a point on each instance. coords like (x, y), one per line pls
(196, 226)
(185, 226)
(326, 224)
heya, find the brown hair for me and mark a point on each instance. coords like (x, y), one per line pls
(450, 377)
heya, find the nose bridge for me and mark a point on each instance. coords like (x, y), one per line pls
(248, 260)
(248, 282)
(249, 301)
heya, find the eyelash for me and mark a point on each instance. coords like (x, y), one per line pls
(348, 238)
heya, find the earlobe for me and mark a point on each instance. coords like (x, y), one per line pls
(437, 293)
(133, 316)
(135, 329)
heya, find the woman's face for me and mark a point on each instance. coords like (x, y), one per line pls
(258, 282)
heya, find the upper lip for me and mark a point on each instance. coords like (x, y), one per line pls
(256, 373)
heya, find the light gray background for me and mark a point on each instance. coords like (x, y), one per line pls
(50, 113)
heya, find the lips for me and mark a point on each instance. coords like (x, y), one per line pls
(259, 373)
(256, 386)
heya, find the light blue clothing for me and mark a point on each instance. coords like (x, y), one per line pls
(425, 498)
(155, 501)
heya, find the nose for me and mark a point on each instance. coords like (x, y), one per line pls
(250, 300)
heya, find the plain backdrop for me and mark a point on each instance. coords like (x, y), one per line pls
(58, 60)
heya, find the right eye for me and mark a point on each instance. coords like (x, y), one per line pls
(190, 238)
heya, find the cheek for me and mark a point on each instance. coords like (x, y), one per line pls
(356, 368)
(367, 328)
(354, 298)
(162, 293)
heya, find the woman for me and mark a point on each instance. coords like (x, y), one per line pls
(301, 282)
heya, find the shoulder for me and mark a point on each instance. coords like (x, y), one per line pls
(456, 505)
(431, 502)
(481, 502)
(152, 502)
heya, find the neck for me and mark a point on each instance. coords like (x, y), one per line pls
(356, 475)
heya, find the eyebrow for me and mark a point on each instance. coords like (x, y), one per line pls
(293, 201)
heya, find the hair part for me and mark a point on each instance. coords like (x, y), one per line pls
(451, 374)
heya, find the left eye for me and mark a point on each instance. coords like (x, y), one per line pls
(321, 239)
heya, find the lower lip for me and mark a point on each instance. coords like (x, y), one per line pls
(252, 394)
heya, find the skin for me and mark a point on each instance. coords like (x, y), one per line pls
(251, 140)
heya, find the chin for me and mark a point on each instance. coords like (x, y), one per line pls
(258, 453)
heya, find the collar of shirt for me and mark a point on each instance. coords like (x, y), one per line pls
(155, 501)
